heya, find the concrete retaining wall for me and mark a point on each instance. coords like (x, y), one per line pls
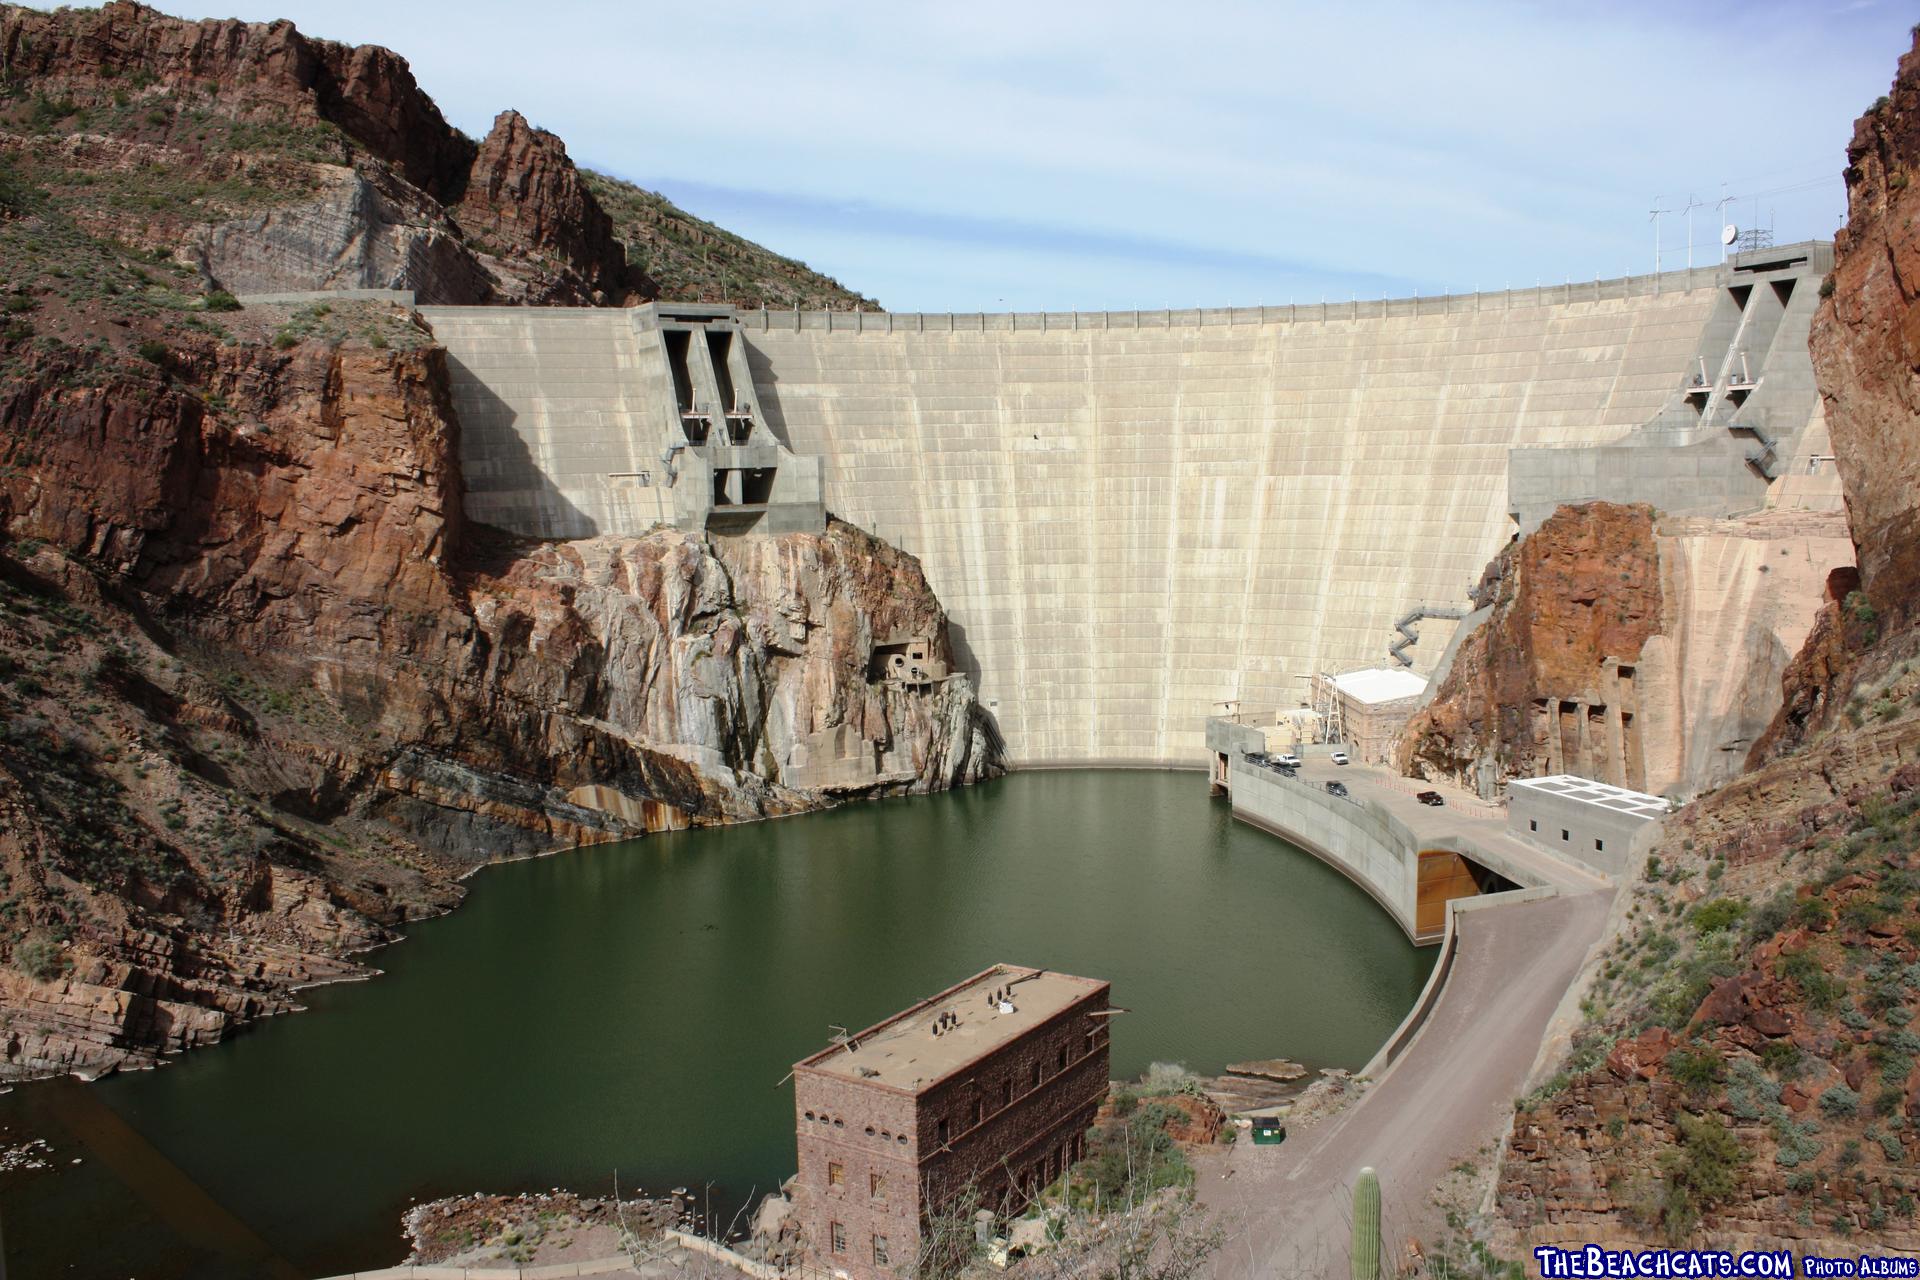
(1373, 848)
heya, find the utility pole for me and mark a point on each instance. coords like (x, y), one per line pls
(1692, 204)
(1654, 215)
(1721, 210)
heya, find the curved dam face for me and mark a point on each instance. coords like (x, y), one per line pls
(1132, 517)
(1129, 525)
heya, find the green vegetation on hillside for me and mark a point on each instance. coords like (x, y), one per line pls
(695, 261)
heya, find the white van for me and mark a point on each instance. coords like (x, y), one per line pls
(1339, 757)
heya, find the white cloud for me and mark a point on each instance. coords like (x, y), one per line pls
(1439, 145)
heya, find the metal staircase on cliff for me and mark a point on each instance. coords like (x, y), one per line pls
(1410, 635)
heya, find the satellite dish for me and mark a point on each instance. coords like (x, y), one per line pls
(1729, 233)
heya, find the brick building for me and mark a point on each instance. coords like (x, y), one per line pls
(990, 1085)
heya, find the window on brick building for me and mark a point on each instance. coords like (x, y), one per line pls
(1006, 1093)
(880, 1258)
(940, 1132)
(1060, 1060)
(877, 1185)
(836, 1174)
(838, 1231)
(979, 1110)
(1036, 1075)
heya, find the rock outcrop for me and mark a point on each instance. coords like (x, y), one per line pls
(1571, 604)
(268, 694)
(1866, 356)
(524, 199)
(1866, 346)
(380, 191)
(1641, 651)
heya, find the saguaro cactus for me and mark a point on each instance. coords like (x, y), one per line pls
(1366, 1226)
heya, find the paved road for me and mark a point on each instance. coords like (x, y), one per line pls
(1450, 1092)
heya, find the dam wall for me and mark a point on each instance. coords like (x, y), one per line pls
(560, 414)
(1134, 517)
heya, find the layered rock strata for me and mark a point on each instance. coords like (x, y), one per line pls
(269, 694)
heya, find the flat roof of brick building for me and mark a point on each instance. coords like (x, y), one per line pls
(903, 1052)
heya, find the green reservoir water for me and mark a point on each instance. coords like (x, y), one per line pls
(635, 1007)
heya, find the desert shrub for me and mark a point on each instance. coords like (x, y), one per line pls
(154, 351)
(40, 958)
(1812, 912)
(1769, 917)
(1697, 1067)
(1821, 989)
(1863, 913)
(1795, 1138)
(1890, 1144)
(221, 300)
(1700, 1171)
(1750, 1091)
(1164, 1078)
(1839, 1101)
(1131, 1157)
(1721, 913)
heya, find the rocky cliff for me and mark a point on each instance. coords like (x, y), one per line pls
(267, 694)
(1619, 645)
(1866, 346)
(274, 162)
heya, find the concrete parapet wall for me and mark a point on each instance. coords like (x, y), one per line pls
(1556, 295)
(1371, 847)
(1130, 520)
(1379, 850)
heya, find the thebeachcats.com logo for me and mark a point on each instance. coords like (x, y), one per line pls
(1586, 1261)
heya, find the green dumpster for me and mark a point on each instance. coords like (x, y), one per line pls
(1268, 1130)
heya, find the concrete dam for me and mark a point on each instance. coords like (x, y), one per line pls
(1133, 517)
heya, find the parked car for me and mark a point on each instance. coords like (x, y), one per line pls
(1336, 788)
(1339, 757)
(1289, 759)
(1286, 770)
(1256, 757)
(1431, 797)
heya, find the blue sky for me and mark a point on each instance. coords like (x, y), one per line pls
(1001, 155)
